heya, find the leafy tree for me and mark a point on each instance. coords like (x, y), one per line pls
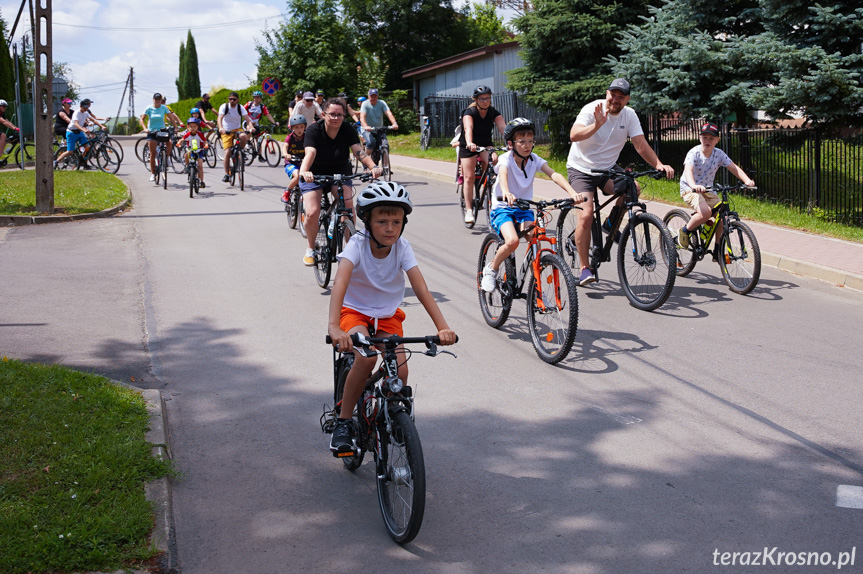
(405, 34)
(191, 76)
(7, 70)
(313, 48)
(781, 57)
(564, 46)
(484, 26)
(180, 82)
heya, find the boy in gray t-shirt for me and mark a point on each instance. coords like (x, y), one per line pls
(699, 170)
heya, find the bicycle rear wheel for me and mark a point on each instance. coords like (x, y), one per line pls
(739, 258)
(360, 428)
(145, 153)
(272, 152)
(249, 152)
(140, 146)
(193, 181)
(117, 146)
(323, 265)
(163, 155)
(567, 222)
(177, 159)
(241, 175)
(401, 478)
(675, 220)
(486, 202)
(646, 262)
(302, 218)
(158, 166)
(385, 164)
(234, 162)
(210, 157)
(552, 309)
(108, 158)
(293, 207)
(343, 234)
(495, 306)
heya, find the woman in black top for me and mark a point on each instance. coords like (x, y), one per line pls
(478, 122)
(63, 118)
(329, 142)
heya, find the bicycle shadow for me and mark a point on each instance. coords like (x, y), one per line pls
(414, 302)
(592, 350)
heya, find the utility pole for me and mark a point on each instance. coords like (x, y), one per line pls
(120, 107)
(132, 96)
(43, 107)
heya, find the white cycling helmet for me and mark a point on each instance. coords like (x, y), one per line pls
(3, 103)
(383, 193)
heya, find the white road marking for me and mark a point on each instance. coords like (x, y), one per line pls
(848, 496)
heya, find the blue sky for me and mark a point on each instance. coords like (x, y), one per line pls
(100, 59)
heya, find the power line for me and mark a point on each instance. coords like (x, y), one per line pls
(174, 29)
(105, 85)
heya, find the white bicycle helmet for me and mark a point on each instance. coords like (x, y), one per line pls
(383, 193)
(3, 103)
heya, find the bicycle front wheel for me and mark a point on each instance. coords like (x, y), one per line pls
(164, 163)
(302, 217)
(401, 478)
(740, 258)
(486, 202)
(249, 153)
(552, 309)
(351, 462)
(464, 210)
(118, 147)
(241, 172)
(145, 154)
(567, 222)
(646, 262)
(108, 158)
(343, 234)
(272, 152)
(385, 164)
(675, 220)
(26, 153)
(141, 145)
(495, 306)
(177, 159)
(293, 207)
(323, 265)
(193, 181)
(210, 157)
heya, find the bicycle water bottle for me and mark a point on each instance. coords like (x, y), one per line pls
(706, 228)
(195, 145)
(331, 228)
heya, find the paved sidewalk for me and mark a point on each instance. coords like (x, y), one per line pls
(834, 260)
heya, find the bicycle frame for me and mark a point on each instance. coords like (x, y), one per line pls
(720, 212)
(535, 233)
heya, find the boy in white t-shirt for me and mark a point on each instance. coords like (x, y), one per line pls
(370, 286)
(699, 170)
(516, 170)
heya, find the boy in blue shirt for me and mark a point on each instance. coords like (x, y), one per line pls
(516, 170)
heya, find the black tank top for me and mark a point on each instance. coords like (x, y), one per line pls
(60, 123)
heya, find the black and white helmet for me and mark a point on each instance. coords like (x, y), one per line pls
(480, 90)
(517, 124)
(383, 193)
(297, 120)
(3, 103)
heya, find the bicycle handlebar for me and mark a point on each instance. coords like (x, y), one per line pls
(527, 203)
(364, 177)
(393, 340)
(720, 187)
(612, 173)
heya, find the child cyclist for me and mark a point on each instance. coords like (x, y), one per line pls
(370, 286)
(200, 142)
(294, 150)
(699, 169)
(516, 171)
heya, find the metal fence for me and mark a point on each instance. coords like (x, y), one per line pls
(798, 167)
(445, 113)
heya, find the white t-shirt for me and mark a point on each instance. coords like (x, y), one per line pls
(308, 112)
(232, 118)
(703, 168)
(601, 150)
(377, 286)
(80, 116)
(519, 185)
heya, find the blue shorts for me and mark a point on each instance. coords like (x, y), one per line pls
(501, 215)
(73, 138)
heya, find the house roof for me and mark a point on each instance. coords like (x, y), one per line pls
(464, 56)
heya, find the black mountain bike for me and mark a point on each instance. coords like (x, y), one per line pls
(335, 225)
(99, 151)
(736, 251)
(194, 181)
(263, 147)
(646, 258)
(483, 184)
(381, 154)
(383, 421)
(238, 164)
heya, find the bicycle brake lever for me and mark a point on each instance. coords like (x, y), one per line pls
(435, 352)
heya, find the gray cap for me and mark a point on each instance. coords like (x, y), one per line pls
(621, 85)
(308, 96)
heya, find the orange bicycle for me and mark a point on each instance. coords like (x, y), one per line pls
(552, 302)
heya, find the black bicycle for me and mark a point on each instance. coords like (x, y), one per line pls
(335, 224)
(293, 206)
(238, 164)
(263, 147)
(194, 181)
(98, 151)
(483, 184)
(646, 257)
(383, 421)
(381, 154)
(736, 250)
(425, 135)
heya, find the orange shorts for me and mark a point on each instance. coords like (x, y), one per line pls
(392, 325)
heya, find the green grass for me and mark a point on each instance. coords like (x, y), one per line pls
(73, 463)
(74, 192)
(669, 192)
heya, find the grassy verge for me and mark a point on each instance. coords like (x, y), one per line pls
(668, 192)
(73, 463)
(74, 192)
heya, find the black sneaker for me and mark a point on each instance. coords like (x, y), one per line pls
(226, 178)
(342, 443)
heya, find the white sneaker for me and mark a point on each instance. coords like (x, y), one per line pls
(152, 177)
(489, 279)
(468, 217)
(309, 258)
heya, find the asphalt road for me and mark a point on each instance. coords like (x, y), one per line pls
(717, 423)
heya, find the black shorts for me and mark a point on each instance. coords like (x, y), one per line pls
(463, 152)
(585, 183)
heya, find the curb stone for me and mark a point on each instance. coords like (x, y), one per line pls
(158, 491)
(795, 266)
(18, 220)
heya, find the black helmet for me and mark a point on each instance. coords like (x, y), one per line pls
(481, 90)
(517, 124)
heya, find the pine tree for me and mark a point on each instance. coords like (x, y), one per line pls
(181, 79)
(191, 79)
(7, 70)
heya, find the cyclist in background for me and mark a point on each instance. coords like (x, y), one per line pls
(369, 288)
(172, 117)
(204, 106)
(308, 108)
(294, 152)
(257, 109)
(196, 113)
(598, 135)
(372, 116)
(478, 122)
(298, 99)
(319, 97)
(77, 131)
(230, 121)
(155, 115)
(351, 112)
(4, 122)
(63, 118)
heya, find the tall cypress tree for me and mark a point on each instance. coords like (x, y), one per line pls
(191, 78)
(181, 79)
(7, 71)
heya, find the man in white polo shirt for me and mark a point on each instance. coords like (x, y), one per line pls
(231, 116)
